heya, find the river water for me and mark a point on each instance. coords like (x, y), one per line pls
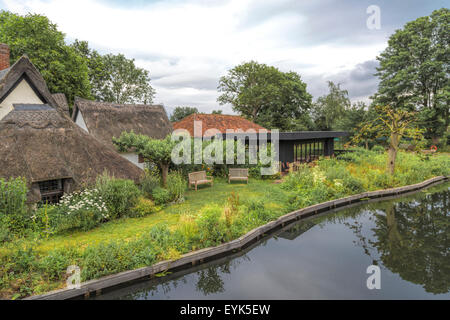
(327, 256)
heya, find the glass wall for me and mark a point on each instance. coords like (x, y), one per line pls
(308, 150)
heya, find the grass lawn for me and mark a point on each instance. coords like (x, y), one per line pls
(130, 228)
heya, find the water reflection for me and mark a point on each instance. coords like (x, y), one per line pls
(412, 239)
(326, 257)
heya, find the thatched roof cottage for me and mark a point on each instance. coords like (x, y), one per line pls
(104, 120)
(40, 142)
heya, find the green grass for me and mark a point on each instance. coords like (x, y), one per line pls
(130, 228)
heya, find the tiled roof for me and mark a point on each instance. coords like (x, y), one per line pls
(221, 122)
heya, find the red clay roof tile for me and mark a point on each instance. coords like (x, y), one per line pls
(221, 122)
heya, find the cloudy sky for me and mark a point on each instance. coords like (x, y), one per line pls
(187, 45)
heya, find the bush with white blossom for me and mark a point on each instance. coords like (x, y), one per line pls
(84, 209)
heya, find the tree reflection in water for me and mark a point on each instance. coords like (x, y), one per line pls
(411, 238)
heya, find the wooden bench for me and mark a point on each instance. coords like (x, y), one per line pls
(199, 177)
(237, 174)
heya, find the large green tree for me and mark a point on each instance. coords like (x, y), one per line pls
(35, 36)
(265, 95)
(114, 78)
(180, 113)
(125, 82)
(414, 71)
(96, 67)
(328, 109)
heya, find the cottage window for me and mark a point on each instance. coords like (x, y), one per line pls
(51, 190)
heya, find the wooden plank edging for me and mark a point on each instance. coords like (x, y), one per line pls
(193, 257)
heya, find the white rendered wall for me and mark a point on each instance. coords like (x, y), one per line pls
(80, 121)
(22, 93)
(133, 158)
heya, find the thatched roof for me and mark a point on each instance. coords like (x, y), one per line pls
(23, 69)
(107, 120)
(61, 101)
(39, 143)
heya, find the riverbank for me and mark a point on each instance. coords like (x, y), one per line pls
(315, 257)
(214, 216)
(197, 257)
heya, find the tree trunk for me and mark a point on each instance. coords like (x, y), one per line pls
(435, 140)
(392, 229)
(164, 172)
(392, 152)
(367, 144)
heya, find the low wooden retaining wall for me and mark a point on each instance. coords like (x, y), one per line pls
(199, 256)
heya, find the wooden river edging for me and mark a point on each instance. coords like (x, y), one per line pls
(199, 256)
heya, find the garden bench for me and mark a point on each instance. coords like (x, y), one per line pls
(199, 177)
(237, 174)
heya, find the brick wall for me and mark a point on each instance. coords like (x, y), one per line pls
(4, 56)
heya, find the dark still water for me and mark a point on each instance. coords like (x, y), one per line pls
(326, 257)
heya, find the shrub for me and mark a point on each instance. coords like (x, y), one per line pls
(14, 214)
(352, 184)
(211, 228)
(186, 233)
(297, 178)
(105, 259)
(149, 182)
(378, 149)
(257, 210)
(85, 209)
(160, 195)
(176, 185)
(54, 265)
(143, 207)
(120, 195)
(116, 256)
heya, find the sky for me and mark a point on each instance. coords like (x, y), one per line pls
(188, 45)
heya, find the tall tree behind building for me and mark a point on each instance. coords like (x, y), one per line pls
(414, 71)
(265, 95)
(35, 36)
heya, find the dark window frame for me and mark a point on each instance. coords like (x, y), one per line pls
(51, 190)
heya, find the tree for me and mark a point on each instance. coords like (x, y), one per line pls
(394, 124)
(60, 65)
(264, 94)
(328, 109)
(124, 83)
(216, 112)
(153, 150)
(96, 67)
(180, 113)
(414, 71)
(352, 119)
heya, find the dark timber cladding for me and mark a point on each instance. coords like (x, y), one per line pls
(301, 146)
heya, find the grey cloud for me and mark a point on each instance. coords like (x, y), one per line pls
(360, 81)
(188, 80)
(334, 21)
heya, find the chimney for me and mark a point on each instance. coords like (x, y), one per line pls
(4, 56)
